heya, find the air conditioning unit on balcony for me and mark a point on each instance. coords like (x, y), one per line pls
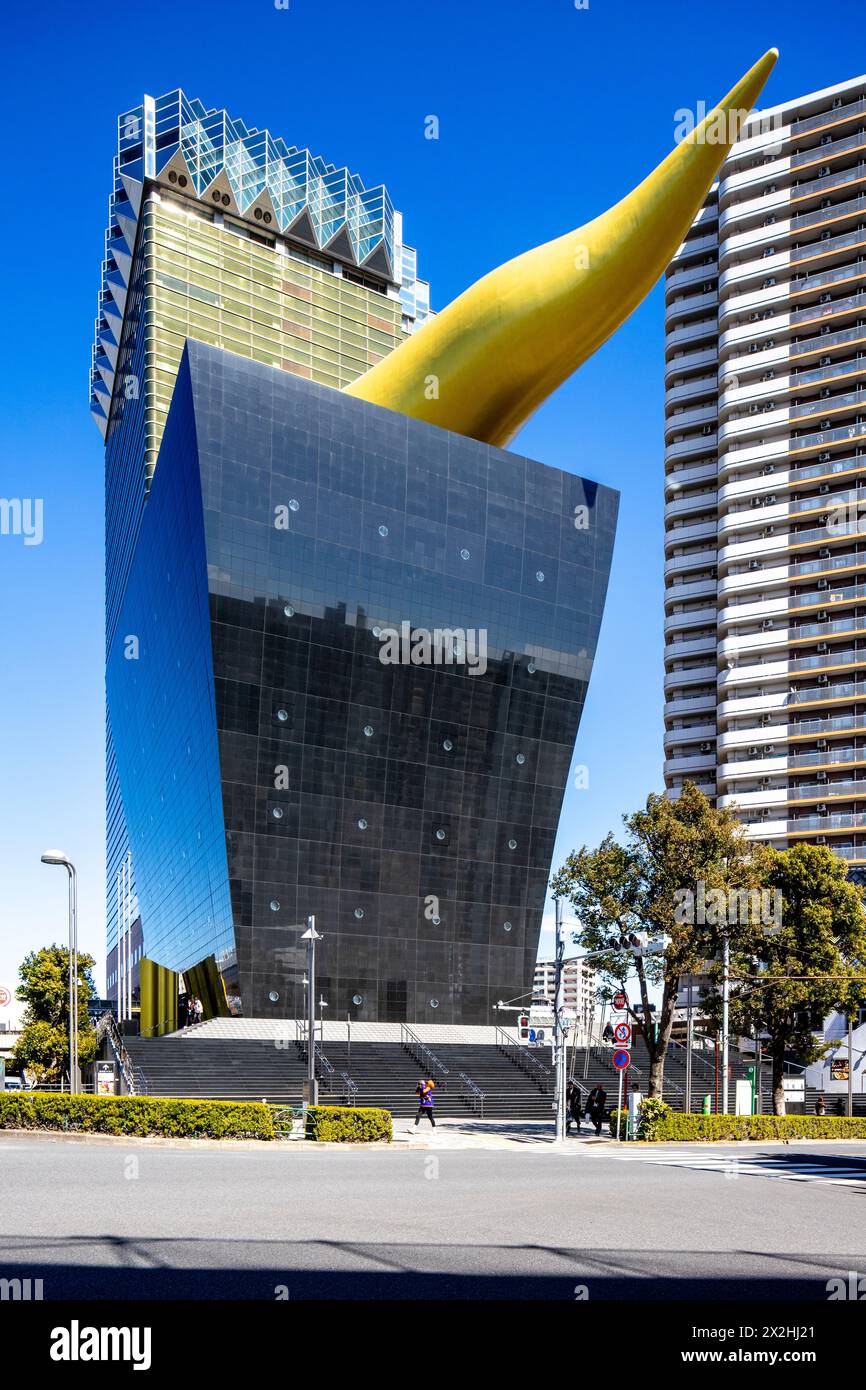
(754, 564)
(825, 298)
(765, 719)
(821, 776)
(771, 500)
(754, 408)
(823, 170)
(754, 751)
(764, 812)
(768, 749)
(823, 489)
(767, 624)
(756, 502)
(765, 781)
(825, 361)
(824, 456)
(823, 583)
(822, 615)
(820, 839)
(825, 393)
(823, 680)
(821, 809)
(823, 649)
(706, 747)
(824, 553)
(821, 743)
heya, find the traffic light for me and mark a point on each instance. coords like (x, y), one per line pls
(523, 1028)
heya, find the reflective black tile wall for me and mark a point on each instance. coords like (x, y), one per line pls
(411, 805)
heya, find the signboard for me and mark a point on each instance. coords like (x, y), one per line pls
(622, 1032)
(105, 1079)
(794, 1086)
(621, 1059)
(620, 1001)
(839, 1069)
(5, 996)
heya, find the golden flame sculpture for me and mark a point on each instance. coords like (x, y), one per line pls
(488, 360)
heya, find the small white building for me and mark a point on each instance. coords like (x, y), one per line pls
(830, 1075)
(578, 990)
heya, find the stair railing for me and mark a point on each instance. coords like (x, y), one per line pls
(350, 1090)
(422, 1054)
(136, 1081)
(471, 1094)
(523, 1058)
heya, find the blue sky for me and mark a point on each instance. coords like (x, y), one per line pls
(547, 115)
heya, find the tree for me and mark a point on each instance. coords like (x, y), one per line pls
(684, 866)
(822, 934)
(44, 1043)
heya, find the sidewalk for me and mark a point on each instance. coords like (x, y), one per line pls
(490, 1134)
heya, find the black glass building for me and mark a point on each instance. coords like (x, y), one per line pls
(346, 680)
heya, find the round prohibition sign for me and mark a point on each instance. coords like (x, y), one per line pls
(622, 1032)
(619, 1001)
(5, 996)
(621, 1059)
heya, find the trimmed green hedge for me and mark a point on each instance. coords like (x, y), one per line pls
(348, 1124)
(677, 1128)
(139, 1115)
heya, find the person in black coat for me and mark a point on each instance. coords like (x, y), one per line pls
(573, 1111)
(595, 1106)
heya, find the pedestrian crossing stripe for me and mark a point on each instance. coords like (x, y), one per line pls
(799, 1170)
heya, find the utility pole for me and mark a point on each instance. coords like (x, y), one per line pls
(726, 997)
(558, 1033)
(689, 1045)
(850, 1065)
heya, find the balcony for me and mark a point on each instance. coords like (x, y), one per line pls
(833, 116)
(817, 217)
(848, 400)
(824, 185)
(822, 153)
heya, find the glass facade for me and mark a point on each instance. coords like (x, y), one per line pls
(271, 763)
(221, 233)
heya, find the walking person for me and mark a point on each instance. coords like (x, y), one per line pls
(424, 1092)
(595, 1107)
(573, 1111)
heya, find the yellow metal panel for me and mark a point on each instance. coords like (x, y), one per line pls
(487, 361)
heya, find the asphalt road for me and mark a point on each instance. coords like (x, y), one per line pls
(131, 1221)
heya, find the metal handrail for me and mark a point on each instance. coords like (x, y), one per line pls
(134, 1077)
(476, 1095)
(327, 1068)
(351, 1090)
(524, 1058)
(420, 1052)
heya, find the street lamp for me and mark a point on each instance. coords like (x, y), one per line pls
(56, 856)
(311, 936)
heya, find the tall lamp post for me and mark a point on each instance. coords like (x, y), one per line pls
(311, 936)
(56, 856)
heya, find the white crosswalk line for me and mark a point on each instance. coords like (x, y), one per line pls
(796, 1169)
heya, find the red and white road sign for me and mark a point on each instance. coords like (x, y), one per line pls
(619, 1001)
(5, 996)
(622, 1032)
